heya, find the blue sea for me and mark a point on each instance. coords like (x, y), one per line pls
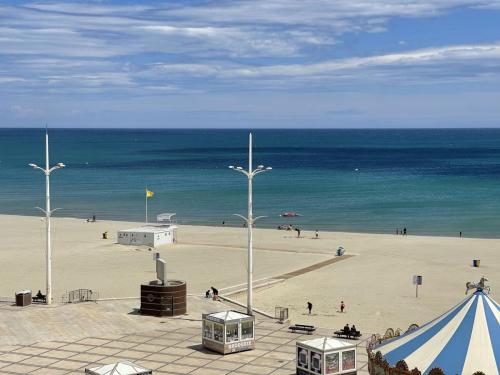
(437, 182)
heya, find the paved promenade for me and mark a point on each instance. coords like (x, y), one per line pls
(166, 345)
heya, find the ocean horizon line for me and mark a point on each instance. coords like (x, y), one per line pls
(252, 128)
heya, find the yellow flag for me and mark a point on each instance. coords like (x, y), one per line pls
(149, 194)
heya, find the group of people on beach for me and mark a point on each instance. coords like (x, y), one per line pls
(310, 306)
(212, 292)
(297, 229)
(401, 231)
(350, 331)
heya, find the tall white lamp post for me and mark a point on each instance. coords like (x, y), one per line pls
(250, 220)
(48, 212)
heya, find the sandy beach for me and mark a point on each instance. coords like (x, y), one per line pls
(375, 282)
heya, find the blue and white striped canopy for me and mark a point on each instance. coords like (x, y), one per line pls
(463, 340)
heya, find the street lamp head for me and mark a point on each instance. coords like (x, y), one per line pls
(61, 165)
(269, 168)
(260, 167)
(239, 168)
(33, 165)
(231, 167)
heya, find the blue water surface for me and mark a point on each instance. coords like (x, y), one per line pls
(430, 181)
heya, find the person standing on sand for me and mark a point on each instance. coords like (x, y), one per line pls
(317, 234)
(309, 307)
(342, 306)
(298, 232)
(460, 234)
(215, 293)
(404, 231)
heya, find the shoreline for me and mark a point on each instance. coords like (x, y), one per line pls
(209, 225)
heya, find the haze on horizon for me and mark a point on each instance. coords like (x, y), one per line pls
(250, 64)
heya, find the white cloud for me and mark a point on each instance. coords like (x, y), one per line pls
(266, 44)
(463, 53)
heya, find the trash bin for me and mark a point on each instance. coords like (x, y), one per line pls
(23, 298)
(476, 262)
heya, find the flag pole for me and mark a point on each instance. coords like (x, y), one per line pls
(146, 204)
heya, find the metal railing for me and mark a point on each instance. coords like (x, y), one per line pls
(80, 295)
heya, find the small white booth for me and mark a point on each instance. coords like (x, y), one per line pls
(326, 355)
(150, 235)
(120, 368)
(228, 332)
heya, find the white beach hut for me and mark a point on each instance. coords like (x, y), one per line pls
(120, 368)
(326, 355)
(149, 235)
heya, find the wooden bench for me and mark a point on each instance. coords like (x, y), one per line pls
(303, 328)
(40, 299)
(350, 335)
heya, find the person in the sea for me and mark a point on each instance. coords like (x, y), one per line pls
(309, 307)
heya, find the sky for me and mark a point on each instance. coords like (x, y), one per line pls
(250, 64)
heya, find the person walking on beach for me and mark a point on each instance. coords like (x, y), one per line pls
(298, 232)
(342, 306)
(317, 234)
(309, 307)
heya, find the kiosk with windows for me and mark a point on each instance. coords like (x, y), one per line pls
(228, 332)
(325, 355)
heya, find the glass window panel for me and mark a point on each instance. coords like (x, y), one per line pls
(302, 357)
(348, 360)
(316, 362)
(208, 329)
(231, 332)
(247, 330)
(218, 332)
(332, 363)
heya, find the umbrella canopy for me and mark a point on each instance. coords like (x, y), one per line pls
(120, 368)
(463, 340)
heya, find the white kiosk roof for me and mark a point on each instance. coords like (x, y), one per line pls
(229, 315)
(120, 368)
(150, 228)
(327, 343)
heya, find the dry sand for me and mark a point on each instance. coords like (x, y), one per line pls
(375, 284)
